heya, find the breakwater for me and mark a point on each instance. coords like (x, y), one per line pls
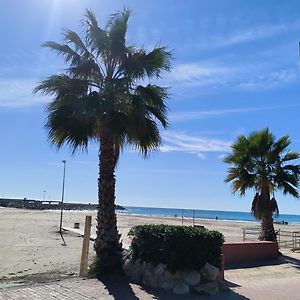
(46, 205)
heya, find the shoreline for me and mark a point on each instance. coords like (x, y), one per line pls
(125, 210)
(150, 216)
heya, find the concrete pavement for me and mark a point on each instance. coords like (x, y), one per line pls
(278, 280)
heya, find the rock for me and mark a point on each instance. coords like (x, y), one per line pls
(172, 276)
(192, 278)
(149, 277)
(138, 272)
(159, 270)
(209, 272)
(181, 288)
(148, 267)
(210, 288)
(133, 270)
(168, 284)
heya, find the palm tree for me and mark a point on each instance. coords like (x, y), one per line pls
(262, 163)
(105, 95)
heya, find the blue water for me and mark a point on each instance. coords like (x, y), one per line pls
(204, 214)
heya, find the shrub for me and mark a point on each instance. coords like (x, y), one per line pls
(179, 247)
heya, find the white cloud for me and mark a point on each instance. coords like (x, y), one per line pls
(269, 81)
(182, 142)
(17, 93)
(208, 78)
(197, 115)
(198, 70)
(200, 74)
(249, 35)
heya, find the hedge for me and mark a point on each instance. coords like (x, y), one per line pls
(179, 247)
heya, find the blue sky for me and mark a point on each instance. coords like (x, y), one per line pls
(235, 70)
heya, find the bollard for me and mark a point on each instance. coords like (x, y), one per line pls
(85, 246)
(222, 267)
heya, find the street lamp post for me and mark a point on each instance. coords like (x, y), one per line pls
(62, 196)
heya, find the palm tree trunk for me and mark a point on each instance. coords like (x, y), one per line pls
(267, 228)
(107, 244)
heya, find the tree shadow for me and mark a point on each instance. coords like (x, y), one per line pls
(282, 259)
(253, 264)
(230, 295)
(118, 286)
(294, 262)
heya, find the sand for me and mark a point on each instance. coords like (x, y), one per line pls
(31, 247)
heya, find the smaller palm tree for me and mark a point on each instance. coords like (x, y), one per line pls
(262, 163)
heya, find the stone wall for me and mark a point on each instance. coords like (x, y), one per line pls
(204, 281)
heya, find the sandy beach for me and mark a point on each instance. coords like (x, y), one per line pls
(31, 247)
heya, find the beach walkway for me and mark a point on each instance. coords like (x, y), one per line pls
(79, 289)
(278, 280)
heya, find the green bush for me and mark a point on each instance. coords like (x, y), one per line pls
(179, 247)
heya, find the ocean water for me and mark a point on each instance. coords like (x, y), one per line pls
(204, 214)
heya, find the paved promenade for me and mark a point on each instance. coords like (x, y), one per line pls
(280, 280)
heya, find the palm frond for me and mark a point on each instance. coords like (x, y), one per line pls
(69, 54)
(96, 38)
(146, 136)
(274, 206)
(255, 207)
(72, 122)
(73, 38)
(118, 19)
(152, 98)
(288, 188)
(62, 85)
(116, 29)
(87, 69)
(291, 155)
(140, 64)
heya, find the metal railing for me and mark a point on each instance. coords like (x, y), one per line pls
(285, 238)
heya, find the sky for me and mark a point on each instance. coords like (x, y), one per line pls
(235, 70)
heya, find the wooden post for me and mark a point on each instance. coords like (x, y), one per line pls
(222, 267)
(293, 241)
(193, 218)
(85, 246)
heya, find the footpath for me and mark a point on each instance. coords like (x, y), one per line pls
(278, 280)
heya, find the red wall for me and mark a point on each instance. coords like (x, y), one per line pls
(244, 252)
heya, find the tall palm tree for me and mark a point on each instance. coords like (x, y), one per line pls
(262, 163)
(105, 95)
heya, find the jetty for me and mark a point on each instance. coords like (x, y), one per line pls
(48, 204)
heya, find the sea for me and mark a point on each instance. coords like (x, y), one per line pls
(203, 214)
